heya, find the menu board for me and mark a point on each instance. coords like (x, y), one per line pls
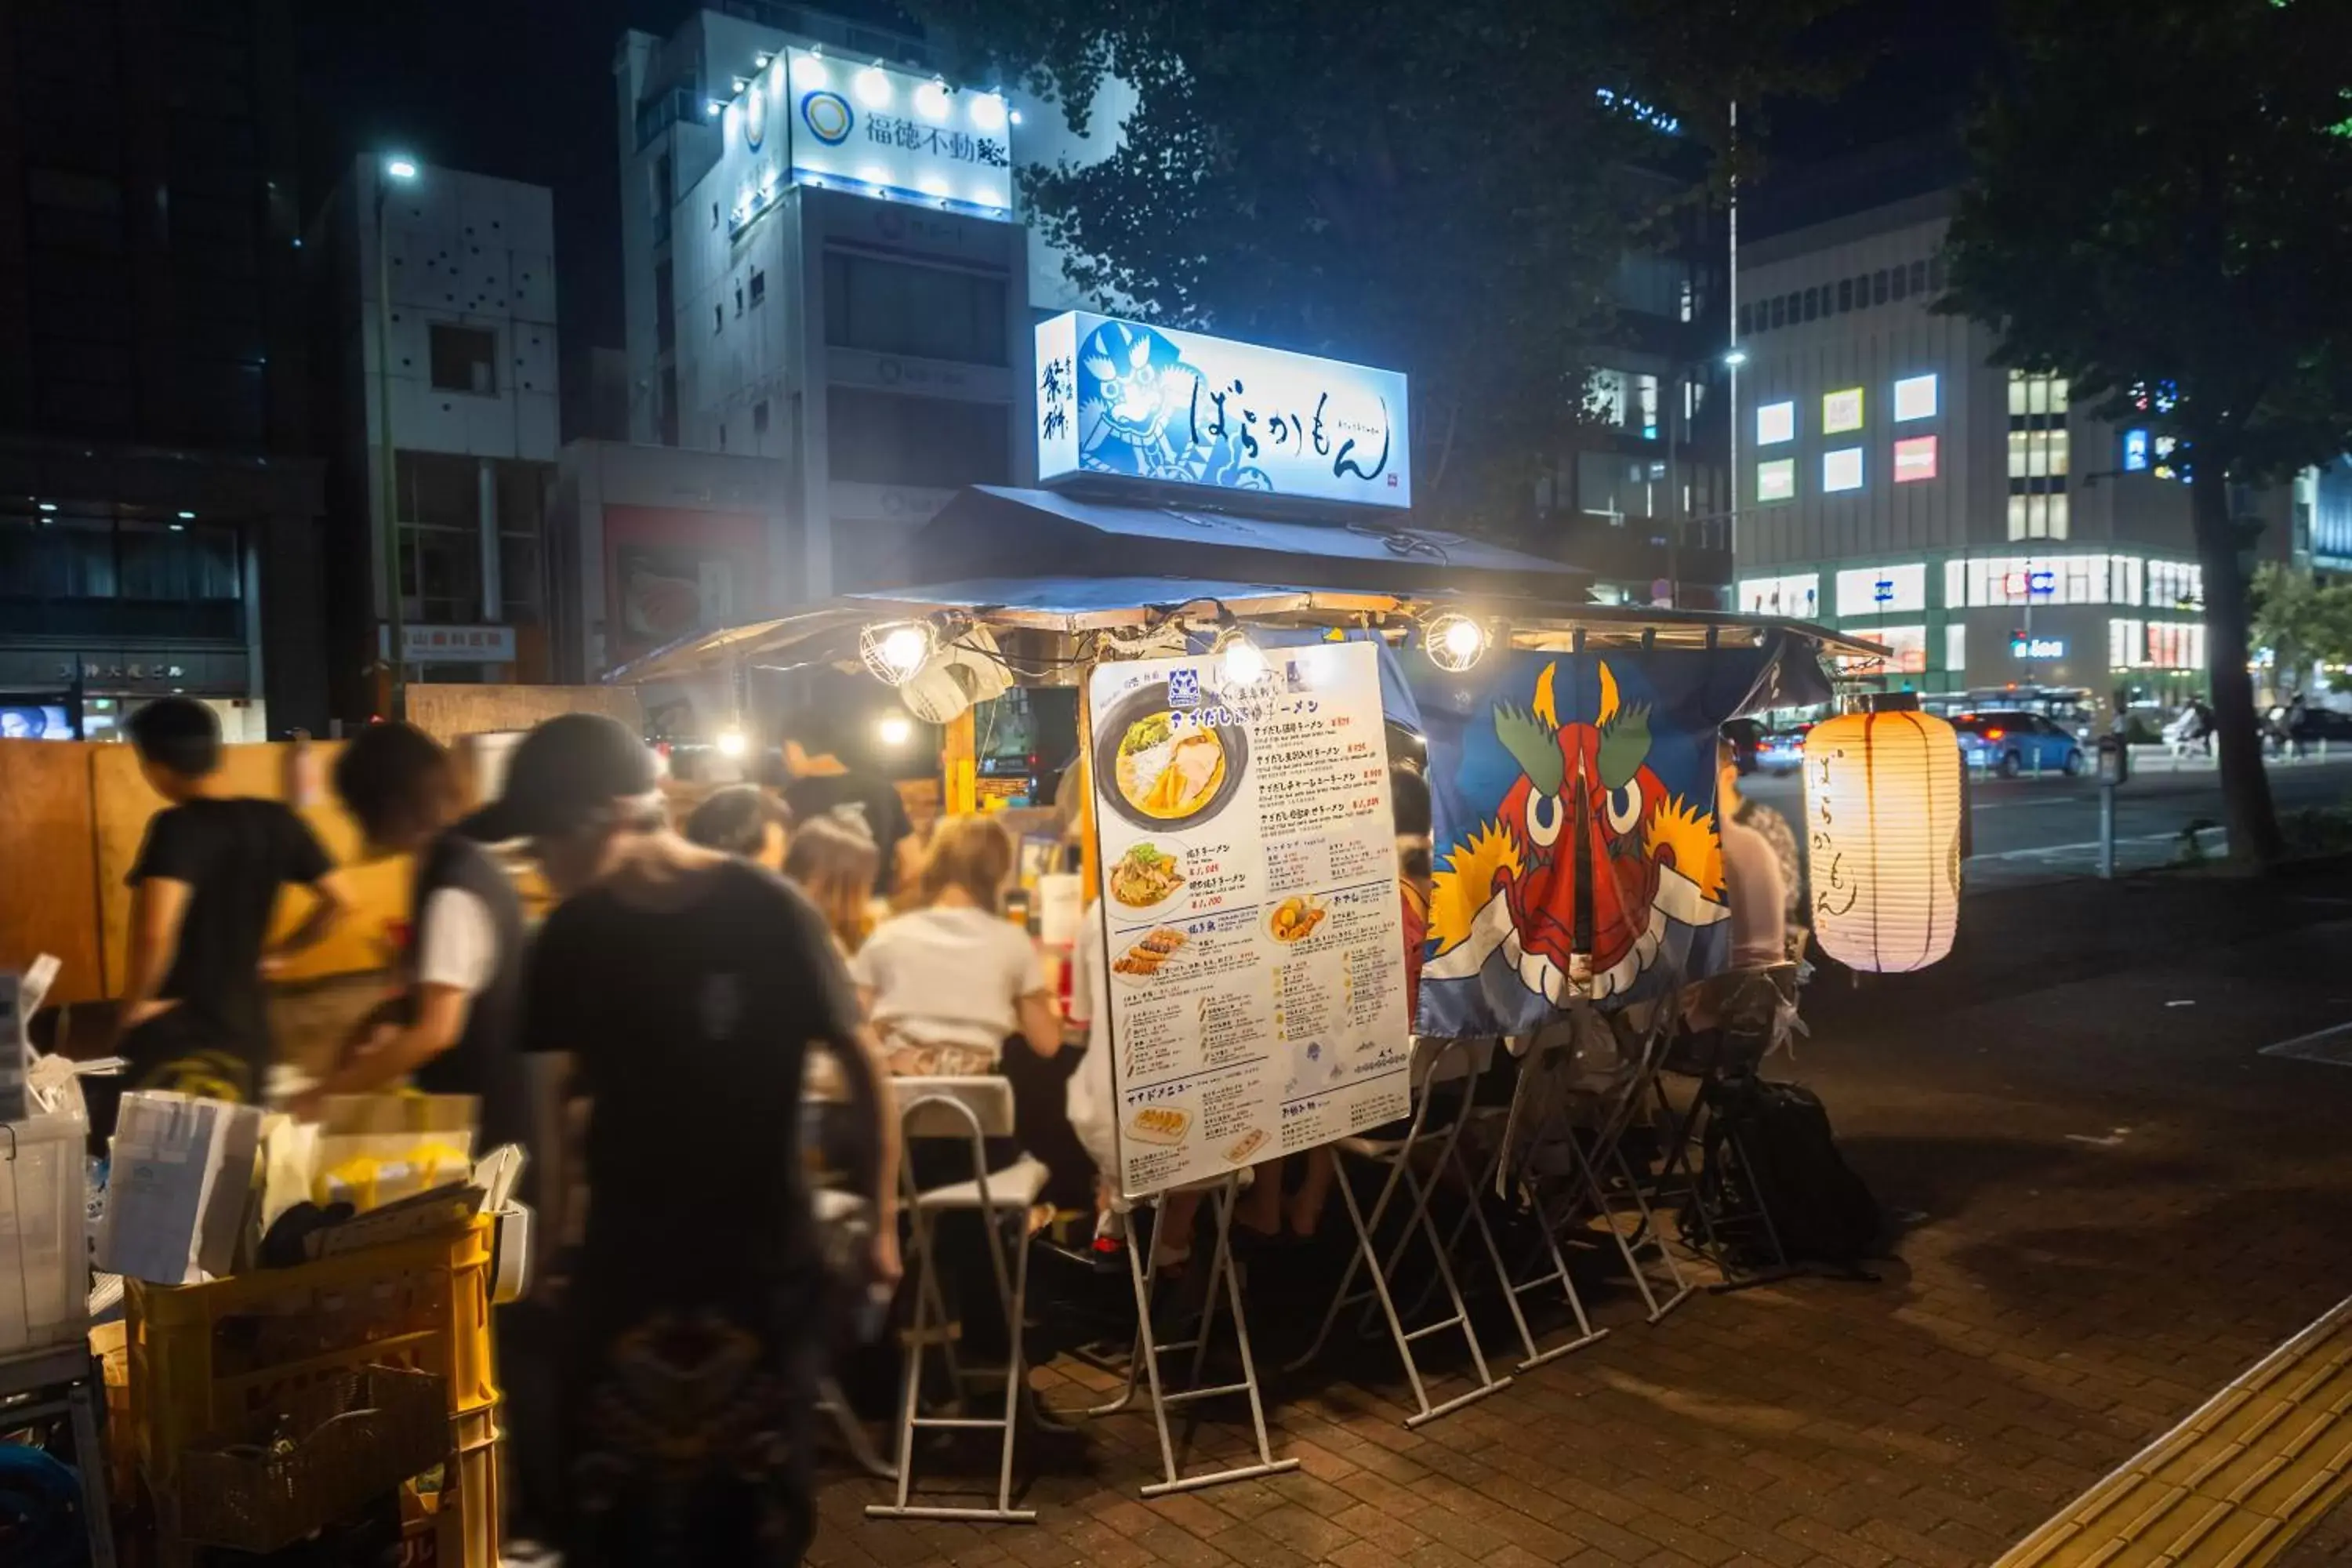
(1256, 956)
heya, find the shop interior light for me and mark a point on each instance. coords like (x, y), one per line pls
(187, 517)
(1243, 660)
(988, 111)
(895, 651)
(894, 730)
(1454, 641)
(48, 506)
(873, 87)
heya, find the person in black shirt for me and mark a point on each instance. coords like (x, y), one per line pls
(687, 986)
(745, 820)
(192, 1011)
(819, 782)
(453, 1033)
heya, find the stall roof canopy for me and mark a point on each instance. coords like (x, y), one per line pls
(991, 531)
(828, 631)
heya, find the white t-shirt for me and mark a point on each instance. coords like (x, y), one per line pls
(1089, 1097)
(949, 978)
(1758, 901)
(457, 945)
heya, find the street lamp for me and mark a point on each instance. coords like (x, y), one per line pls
(1735, 358)
(402, 168)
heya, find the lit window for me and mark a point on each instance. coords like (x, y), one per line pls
(2057, 514)
(1956, 647)
(1775, 423)
(1907, 644)
(1915, 459)
(2058, 395)
(1796, 595)
(1842, 411)
(1842, 470)
(2135, 452)
(2057, 439)
(1882, 590)
(1776, 480)
(1915, 398)
(1956, 584)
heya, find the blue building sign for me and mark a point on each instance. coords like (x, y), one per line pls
(1118, 398)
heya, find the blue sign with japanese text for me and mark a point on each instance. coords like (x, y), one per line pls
(1118, 398)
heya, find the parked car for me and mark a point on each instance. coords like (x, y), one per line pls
(2011, 743)
(1781, 750)
(1744, 736)
(2315, 724)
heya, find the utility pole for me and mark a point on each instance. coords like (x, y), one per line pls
(396, 629)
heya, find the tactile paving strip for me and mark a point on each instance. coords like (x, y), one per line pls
(2232, 1485)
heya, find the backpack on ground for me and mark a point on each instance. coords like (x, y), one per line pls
(1771, 1142)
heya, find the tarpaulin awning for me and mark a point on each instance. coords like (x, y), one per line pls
(989, 531)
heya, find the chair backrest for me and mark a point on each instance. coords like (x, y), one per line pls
(1443, 1061)
(955, 1107)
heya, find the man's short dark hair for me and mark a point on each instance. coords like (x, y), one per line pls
(178, 734)
(1409, 795)
(384, 773)
(734, 820)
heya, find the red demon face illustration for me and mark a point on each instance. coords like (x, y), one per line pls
(1582, 896)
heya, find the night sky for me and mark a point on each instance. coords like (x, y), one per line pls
(524, 89)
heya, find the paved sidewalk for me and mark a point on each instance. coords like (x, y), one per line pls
(2115, 1205)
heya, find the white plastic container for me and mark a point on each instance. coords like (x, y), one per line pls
(44, 1233)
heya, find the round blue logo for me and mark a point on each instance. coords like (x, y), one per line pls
(827, 115)
(755, 113)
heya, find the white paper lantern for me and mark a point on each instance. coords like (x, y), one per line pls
(1882, 838)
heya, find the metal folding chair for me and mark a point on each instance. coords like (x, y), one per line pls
(1434, 1063)
(971, 1110)
(1144, 1358)
(1722, 1217)
(1544, 1254)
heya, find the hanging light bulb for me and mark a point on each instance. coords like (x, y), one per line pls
(1244, 661)
(894, 651)
(894, 730)
(732, 742)
(1454, 642)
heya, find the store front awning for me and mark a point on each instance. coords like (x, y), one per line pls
(992, 531)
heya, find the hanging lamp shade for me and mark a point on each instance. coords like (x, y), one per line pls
(1883, 836)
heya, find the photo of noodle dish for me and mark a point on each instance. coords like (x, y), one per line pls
(1150, 875)
(1157, 765)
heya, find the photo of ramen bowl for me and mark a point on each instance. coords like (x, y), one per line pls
(1148, 875)
(1156, 771)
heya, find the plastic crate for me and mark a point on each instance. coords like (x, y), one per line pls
(468, 1512)
(44, 1232)
(226, 1357)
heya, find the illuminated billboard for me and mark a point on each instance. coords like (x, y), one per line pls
(1118, 398)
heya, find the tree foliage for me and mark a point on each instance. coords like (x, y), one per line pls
(2301, 620)
(1445, 189)
(2161, 209)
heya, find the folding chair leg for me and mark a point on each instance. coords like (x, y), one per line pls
(1016, 1379)
(1597, 1191)
(853, 1432)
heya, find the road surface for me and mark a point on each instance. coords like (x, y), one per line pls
(2031, 831)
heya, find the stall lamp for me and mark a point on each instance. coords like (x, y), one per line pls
(731, 742)
(895, 729)
(1243, 660)
(895, 651)
(1456, 642)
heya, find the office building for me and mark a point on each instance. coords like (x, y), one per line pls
(158, 520)
(471, 386)
(1895, 482)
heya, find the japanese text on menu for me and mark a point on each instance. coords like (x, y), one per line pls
(1251, 907)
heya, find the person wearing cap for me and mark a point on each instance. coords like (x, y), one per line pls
(687, 986)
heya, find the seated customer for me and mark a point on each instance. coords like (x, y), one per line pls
(1755, 894)
(743, 820)
(833, 861)
(947, 984)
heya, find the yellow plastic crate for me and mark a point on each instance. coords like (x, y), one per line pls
(207, 1359)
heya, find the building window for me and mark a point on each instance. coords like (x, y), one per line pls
(2038, 515)
(464, 358)
(1882, 590)
(2037, 455)
(1796, 307)
(936, 443)
(759, 417)
(1779, 311)
(1846, 295)
(1902, 283)
(738, 298)
(1907, 645)
(1842, 411)
(1936, 272)
(1919, 276)
(1813, 304)
(897, 308)
(1775, 423)
(759, 286)
(1956, 647)
(1915, 459)
(2126, 644)
(2175, 645)
(1776, 480)
(1878, 287)
(1915, 398)
(1842, 470)
(1746, 316)
(2175, 586)
(1798, 595)
(1689, 301)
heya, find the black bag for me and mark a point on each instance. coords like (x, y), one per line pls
(1773, 1140)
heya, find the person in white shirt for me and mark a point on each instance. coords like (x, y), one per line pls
(946, 984)
(1755, 883)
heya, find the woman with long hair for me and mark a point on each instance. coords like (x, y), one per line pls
(833, 864)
